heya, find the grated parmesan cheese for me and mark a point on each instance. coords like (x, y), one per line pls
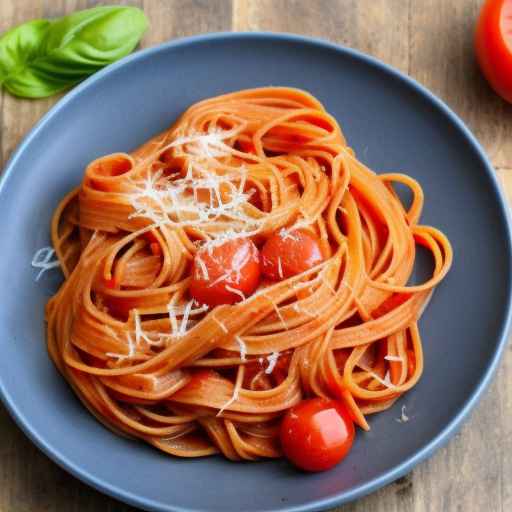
(170, 201)
(202, 265)
(233, 399)
(403, 418)
(384, 381)
(43, 260)
(172, 319)
(240, 293)
(224, 277)
(280, 267)
(184, 320)
(394, 358)
(128, 355)
(272, 360)
(138, 328)
(284, 234)
(243, 348)
(185, 312)
(141, 335)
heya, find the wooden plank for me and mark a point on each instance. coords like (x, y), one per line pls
(377, 27)
(504, 389)
(179, 18)
(442, 44)
(18, 116)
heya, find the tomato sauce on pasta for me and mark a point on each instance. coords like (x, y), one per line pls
(232, 266)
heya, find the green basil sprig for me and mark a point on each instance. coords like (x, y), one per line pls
(41, 57)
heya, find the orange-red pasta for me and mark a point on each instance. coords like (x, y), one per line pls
(151, 363)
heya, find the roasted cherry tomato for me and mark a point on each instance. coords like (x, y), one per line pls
(493, 44)
(288, 253)
(225, 274)
(316, 434)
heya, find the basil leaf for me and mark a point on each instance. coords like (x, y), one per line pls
(19, 46)
(42, 57)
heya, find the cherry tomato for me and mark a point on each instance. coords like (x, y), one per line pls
(316, 434)
(493, 44)
(288, 253)
(225, 274)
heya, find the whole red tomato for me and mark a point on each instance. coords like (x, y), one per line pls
(317, 433)
(493, 45)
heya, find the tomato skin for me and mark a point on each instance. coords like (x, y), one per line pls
(237, 260)
(317, 433)
(288, 253)
(493, 53)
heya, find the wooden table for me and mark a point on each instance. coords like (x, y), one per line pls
(430, 40)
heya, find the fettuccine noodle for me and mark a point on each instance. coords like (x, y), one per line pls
(151, 363)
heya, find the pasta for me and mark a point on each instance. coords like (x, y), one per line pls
(192, 379)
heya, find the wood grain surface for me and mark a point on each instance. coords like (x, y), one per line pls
(431, 40)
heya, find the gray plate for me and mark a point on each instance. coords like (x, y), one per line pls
(393, 124)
